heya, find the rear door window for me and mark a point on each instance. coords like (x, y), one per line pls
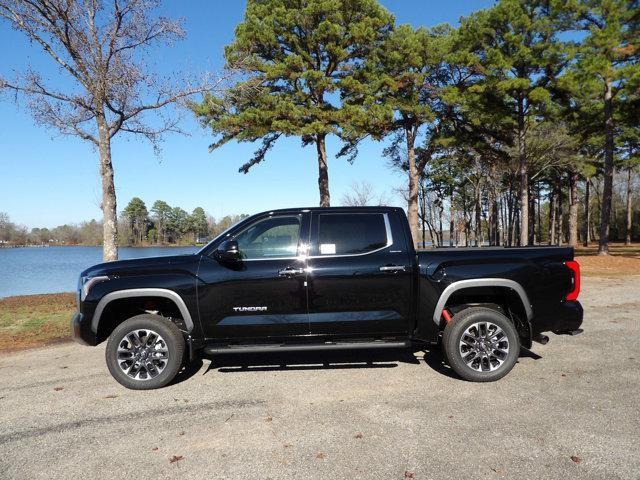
(351, 233)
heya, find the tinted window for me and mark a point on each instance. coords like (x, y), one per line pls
(270, 237)
(349, 233)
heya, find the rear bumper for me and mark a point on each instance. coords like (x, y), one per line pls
(81, 331)
(569, 318)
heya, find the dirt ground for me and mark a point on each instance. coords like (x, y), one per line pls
(569, 409)
(611, 266)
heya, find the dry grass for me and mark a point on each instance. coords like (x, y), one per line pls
(35, 320)
(614, 248)
(623, 260)
(610, 266)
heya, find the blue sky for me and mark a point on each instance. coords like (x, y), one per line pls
(48, 180)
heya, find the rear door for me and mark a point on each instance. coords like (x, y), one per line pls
(359, 274)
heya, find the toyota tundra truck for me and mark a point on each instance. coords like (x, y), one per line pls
(324, 279)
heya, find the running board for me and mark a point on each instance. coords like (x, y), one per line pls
(283, 347)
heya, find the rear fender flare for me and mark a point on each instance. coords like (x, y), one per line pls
(482, 282)
(142, 292)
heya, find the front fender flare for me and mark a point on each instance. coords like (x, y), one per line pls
(142, 292)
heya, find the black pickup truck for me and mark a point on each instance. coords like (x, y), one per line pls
(325, 279)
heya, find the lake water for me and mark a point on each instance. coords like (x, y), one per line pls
(25, 271)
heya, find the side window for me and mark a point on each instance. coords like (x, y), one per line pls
(351, 233)
(272, 237)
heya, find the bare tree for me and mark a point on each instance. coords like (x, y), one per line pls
(361, 195)
(100, 46)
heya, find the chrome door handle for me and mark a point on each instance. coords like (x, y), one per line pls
(392, 268)
(290, 272)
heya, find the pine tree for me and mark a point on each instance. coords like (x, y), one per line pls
(608, 57)
(398, 92)
(519, 54)
(293, 56)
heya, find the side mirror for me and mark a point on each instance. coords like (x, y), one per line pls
(228, 251)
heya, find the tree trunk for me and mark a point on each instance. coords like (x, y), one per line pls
(523, 176)
(552, 217)
(440, 231)
(423, 208)
(573, 208)
(478, 215)
(452, 220)
(503, 220)
(109, 208)
(510, 218)
(627, 240)
(323, 171)
(539, 233)
(494, 219)
(464, 216)
(559, 217)
(587, 216)
(412, 207)
(532, 216)
(605, 212)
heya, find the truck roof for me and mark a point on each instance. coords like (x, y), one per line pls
(333, 209)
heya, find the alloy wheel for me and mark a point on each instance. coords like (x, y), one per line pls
(484, 346)
(142, 354)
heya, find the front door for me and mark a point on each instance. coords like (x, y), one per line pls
(263, 295)
(360, 275)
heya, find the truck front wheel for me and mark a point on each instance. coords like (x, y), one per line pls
(481, 344)
(145, 352)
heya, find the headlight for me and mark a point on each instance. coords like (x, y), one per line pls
(86, 283)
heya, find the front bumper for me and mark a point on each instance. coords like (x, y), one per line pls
(81, 332)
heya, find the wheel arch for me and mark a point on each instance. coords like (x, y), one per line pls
(124, 303)
(501, 294)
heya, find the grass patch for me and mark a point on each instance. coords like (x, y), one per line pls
(35, 320)
(616, 249)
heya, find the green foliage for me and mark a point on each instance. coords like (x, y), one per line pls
(608, 54)
(294, 56)
(138, 218)
(198, 223)
(398, 89)
(160, 215)
(177, 223)
(519, 54)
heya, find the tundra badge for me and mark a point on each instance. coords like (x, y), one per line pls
(249, 309)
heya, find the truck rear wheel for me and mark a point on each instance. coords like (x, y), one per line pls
(145, 352)
(481, 344)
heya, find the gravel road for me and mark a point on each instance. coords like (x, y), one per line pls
(573, 413)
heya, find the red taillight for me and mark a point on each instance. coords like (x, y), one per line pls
(575, 291)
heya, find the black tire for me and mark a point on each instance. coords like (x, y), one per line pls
(487, 364)
(170, 344)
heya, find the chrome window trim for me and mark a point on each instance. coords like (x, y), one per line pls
(142, 292)
(482, 282)
(302, 258)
